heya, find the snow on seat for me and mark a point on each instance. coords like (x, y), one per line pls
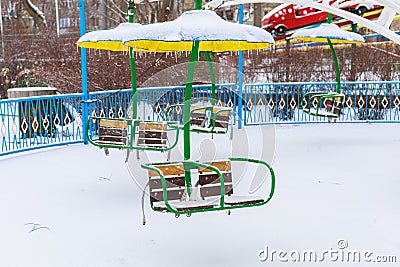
(239, 200)
(321, 112)
(185, 205)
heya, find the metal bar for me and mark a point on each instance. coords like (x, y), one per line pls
(337, 70)
(186, 109)
(82, 30)
(131, 16)
(212, 77)
(240, 75)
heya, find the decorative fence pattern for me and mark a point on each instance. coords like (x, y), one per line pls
(38, 122)
(31, 123)
(35, 122)
(281, 102)
(153, 102)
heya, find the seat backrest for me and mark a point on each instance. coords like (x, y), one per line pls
(198, 116)
(152, 134)
(209, 181)
(334, 105)
(174, 176)
(113, 131)
(222, 117)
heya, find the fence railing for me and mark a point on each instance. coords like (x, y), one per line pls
(38, 122)
(281, 102)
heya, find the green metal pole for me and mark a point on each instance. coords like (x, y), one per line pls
(186, 107)
(336, 66)
(198, 4)
(337, 70)
(329, 18)
(212, 77)
(186, 111)
(131, 16)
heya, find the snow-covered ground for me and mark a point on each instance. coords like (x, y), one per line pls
(337, 185)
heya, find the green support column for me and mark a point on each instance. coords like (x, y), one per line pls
(131, 16)
(337, 70)
(186, 106)
(186, 111)
(212, 77)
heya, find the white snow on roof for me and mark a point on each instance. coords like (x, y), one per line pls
(200, 25)
(326, 30)
(115, 34)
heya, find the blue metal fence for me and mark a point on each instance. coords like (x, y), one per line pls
(37, 122)
(281, 102)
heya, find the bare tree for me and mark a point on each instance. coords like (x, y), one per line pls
(35, 13)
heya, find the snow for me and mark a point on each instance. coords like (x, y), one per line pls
(334, 181)
(112, 35)
(326, 30)
(199, 25)
(109, 35)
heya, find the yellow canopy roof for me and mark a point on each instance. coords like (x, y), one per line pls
(324, 31)
(213, 33)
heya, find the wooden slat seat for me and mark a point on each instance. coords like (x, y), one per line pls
(210, 185)
(324, 104)
(152, 134)
(206, 119)
(175, 187)
(201, 118)
(168, 184)
(334, 105)
(112, 132)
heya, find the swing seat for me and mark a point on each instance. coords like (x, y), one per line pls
(132, 134)
(152, 134)
(175, 188)
(112, 132)
(327, 105)
(203, 119)
(210, 185)
(210, 119)
(213, 189)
